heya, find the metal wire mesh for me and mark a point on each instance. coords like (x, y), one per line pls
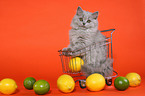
(67, 57)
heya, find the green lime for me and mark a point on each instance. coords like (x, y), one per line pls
(121, 83)
(41, 87)
(29, 82)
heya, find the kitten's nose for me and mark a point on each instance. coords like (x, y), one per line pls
(84, 23)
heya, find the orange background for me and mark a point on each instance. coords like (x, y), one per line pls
(32, 31)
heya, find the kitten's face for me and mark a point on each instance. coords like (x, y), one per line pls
(84, 19)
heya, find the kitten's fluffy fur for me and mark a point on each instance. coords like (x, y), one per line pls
(85, 32)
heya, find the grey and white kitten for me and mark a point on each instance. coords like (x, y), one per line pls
(85, 33)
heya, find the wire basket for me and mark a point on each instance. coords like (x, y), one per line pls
(68, 56)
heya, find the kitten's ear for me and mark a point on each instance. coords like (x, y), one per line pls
(79, 11)
(95, 15)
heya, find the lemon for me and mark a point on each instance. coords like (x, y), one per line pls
(65, 83)
(8, 86)
(75, 64)
(134, 79)
(95, 82)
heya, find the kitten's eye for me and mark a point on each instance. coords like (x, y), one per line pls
(88, 21)
(81, 19)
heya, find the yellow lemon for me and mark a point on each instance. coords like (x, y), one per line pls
(8, 86)
(65, 83)
(134, 79)
(75, 64)
(95, 82)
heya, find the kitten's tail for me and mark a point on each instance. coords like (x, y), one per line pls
(105, 68)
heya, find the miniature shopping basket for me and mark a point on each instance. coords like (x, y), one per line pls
(65, 59)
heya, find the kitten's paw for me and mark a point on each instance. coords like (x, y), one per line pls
(67, 51)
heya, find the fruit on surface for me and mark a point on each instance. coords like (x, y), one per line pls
(65, 83)
(29, 82)
(95, 82)
(134, 79)
(75, 64)
(121, 83)
(41, 87)
(8, 86)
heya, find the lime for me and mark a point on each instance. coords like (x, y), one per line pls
(121, 83)
(41, 87)
(29, 82)
(65, 83)
(75, 64)
(8, 86)
(134, 79)
(95, 82)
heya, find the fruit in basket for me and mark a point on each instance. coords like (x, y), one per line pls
(41, 87)
(29, 82)
(134, 79)
(121, 83)
(95, 82)
(8, 86)
(75, 64)
(65, 83)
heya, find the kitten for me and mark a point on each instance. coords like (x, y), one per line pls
(85, 33)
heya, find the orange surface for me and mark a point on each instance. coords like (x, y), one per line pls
(32, 31)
